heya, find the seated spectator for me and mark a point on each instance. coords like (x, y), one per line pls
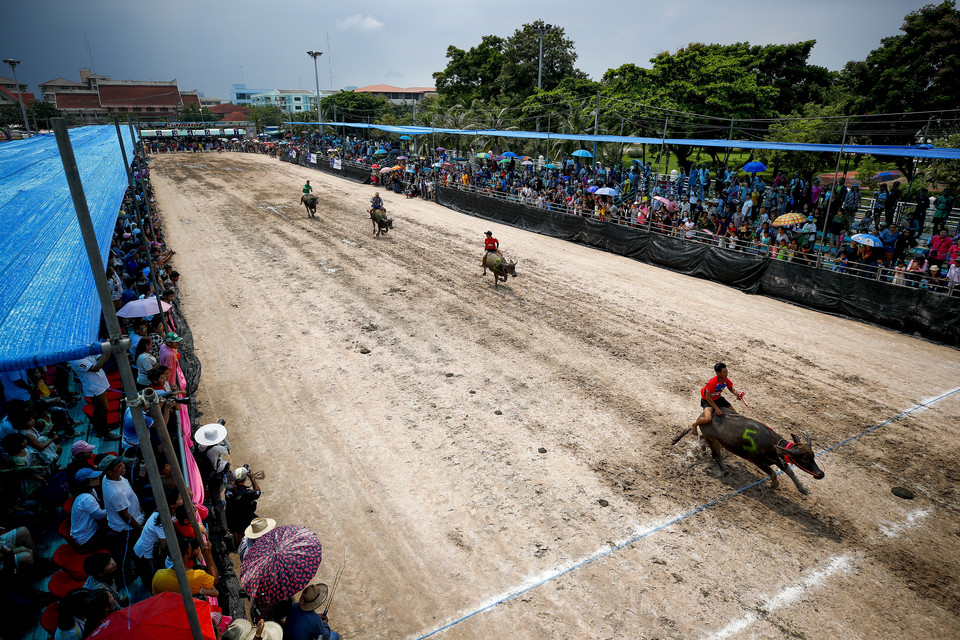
(30, 471)
(101, 570)
(18, 553)
(202, 581)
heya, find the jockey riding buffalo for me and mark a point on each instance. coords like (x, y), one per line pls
(310, 202)
(754, 441)
(499, 266)
(381, 223)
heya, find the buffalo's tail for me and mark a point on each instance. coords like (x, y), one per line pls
(680, 435)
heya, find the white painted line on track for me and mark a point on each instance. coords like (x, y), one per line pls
(785, 598)
(893, 529)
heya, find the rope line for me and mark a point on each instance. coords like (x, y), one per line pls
(674, 520)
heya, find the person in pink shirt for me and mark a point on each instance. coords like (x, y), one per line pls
(170, 355)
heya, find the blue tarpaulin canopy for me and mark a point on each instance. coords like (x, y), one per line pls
(924, 151)
(49, 309)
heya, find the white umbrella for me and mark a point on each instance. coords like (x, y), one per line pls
(140, 308)
(606, 191)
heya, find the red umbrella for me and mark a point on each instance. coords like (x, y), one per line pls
(161, 617)
(280, 563)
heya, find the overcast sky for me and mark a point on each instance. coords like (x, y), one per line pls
(212, 44)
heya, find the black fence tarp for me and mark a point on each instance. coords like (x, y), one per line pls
(349, 172)
(932, 315)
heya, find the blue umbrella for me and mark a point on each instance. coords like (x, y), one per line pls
(582, 153)
(606, 191)
(508, 154)
(406, 138)
(754, 167)
(592, 188)
(885, 176)
(867, 239)
(379, 152)
(551, 166)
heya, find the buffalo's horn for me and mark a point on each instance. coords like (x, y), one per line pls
(809, 443)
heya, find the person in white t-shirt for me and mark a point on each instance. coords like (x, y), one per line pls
(124, 517)
(95, 385)
(689, 229)
(87, 513)
(152, 533)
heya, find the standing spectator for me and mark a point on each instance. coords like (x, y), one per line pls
(889, 237)
(241, 502)
(257, 528)
(890, 206)
(303, 622)
(95, 384)
(88, 513)
(943, 206)
(920, 211)
(940, 246)
(16, 385)
(124, 518)
(170, 355)
(879, 204)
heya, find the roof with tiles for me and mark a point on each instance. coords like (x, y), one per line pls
(27, 97)
(141, 94)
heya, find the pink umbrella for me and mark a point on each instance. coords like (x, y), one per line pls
(671, 206)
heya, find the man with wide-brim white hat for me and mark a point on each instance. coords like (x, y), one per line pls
(304, 622)
(257, 528)
(265, 631)
(211, 440)
(238, 630)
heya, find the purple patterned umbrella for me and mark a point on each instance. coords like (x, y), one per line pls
(280, 563)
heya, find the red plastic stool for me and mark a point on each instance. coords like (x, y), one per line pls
(68, 506)
(64, 529)
(61, 583)
(71, 560)
(48, 619)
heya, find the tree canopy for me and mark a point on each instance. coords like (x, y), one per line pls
(354, 107)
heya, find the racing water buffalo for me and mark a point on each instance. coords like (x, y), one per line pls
(499, 266)
(381, 223)
(754, 441)
(310, 202)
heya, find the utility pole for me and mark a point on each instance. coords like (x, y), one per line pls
(596, 127)
(826, 219)
(541, 32)
(316, 77)
(23, 109)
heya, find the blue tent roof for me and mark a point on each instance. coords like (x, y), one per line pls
(49, 309)
(925, 151)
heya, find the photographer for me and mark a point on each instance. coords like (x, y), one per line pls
(241, 502)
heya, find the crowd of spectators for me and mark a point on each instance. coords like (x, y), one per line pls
(724, 207)
(80, 536)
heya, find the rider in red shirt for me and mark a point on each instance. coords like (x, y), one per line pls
(490, 245)
(710, 398)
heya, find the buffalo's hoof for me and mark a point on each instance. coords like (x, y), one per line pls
(804, 491)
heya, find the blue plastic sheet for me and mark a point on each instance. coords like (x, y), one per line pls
(924, 151)
(49, 309)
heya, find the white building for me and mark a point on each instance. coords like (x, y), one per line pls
(289, 100)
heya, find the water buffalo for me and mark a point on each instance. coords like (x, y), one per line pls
(499, 266)
(381, 223)
(310, 202)
(756, 442)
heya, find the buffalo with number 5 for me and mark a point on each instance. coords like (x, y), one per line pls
(754, 441)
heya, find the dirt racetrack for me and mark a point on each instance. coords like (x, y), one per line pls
(460, 442)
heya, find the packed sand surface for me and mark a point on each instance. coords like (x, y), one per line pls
(460, 442)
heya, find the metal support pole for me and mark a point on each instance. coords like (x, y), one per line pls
(146, 200)
(152, 401)
(826, 220)
(663, 140)
(726, 157)
(143, 238)
(119, 345)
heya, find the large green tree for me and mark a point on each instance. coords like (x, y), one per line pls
(915, 70)
(716, 82)
(351, 106)
(472, 74)
(506, 69)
